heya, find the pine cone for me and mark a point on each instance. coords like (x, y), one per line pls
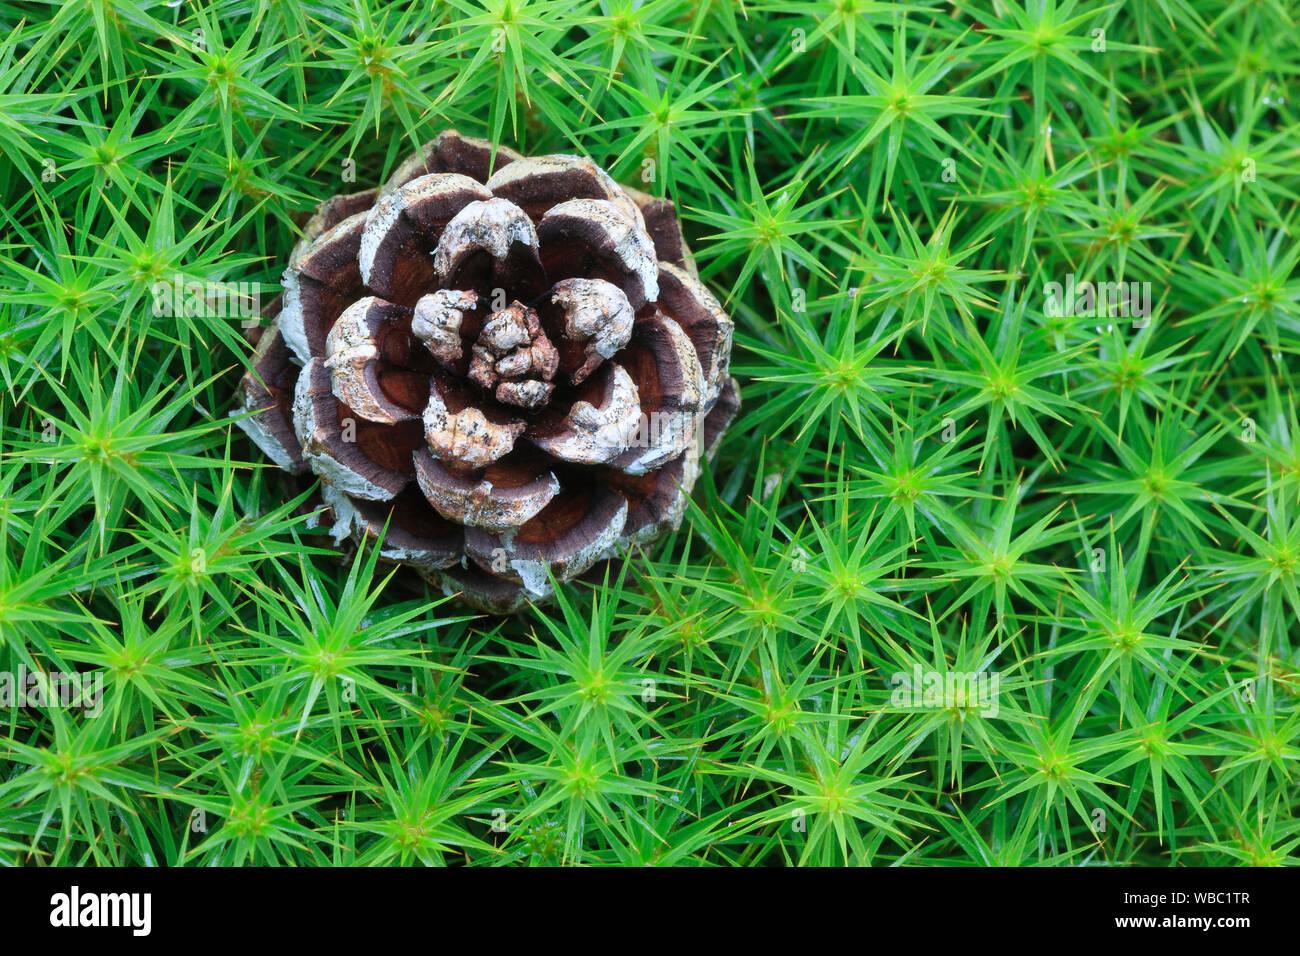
(509, 360)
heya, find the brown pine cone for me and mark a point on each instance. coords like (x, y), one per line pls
(511, 360)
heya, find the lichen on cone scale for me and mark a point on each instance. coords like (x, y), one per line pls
(508, 361)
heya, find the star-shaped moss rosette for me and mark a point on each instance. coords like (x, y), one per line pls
(508, 360)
